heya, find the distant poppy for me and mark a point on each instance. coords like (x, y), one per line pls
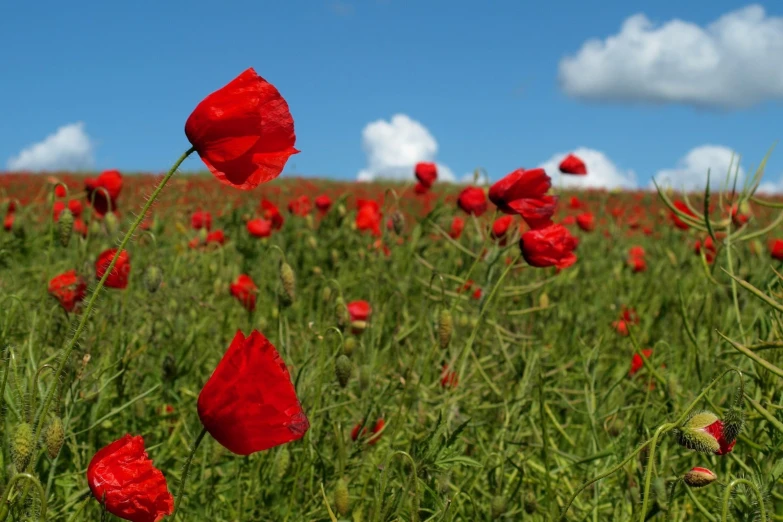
(523, 192)
(249, 403)
(217, 236)
(586, 221)
(245, 290)
(201, 219)
(323, 203)
(69, 289)
(420, 188)
(573, 165)
(574, 203)
(637, 363)
(678, 222)
(243, 132)
(776, 249)
(368, 217)
(8, 222)
(271, 213)
(259, 227)
(426, 173)
(57, 209)
(359, 310)
(118, 277)
(501, 225)
(76, 208)
(60, 191)
(300, 206)
(358, 431)
(448, 378)
(457, 226)
(550, 246)
(708, 247)
(122, 477)
(472, 201)
(103, 191)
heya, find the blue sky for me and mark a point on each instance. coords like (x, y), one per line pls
(485, 80)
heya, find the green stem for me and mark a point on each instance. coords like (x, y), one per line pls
(10, 487)
(650, 465)
(186, 471)
(727, 497)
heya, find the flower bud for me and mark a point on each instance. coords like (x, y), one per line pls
(95, 227)
(54, 437)
(341, 497)
(704, 432)
(349, 345)
(445, 328)
(343, 369)
(364, 377)
(733, 421)
(498, 506)
(312, 242)
(543, 300)
(326, 294)
(65, 227)
(288, 281)
(699, 477)
(530, 504)
(282, 460)
(153, 277)
(341, 210)
(398, 222)
(22, 446)
(112, 223)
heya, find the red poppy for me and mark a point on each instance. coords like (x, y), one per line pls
(359, 310)
(716, 431)
(76, 208)
(472, 201)
(118, 278)
(122, 477)
(80, 227)
(60, 191)
(8, 222)
(249, 403)
(457, 226)
(637, 264)
(245, 290)
(682, 207)
(586, 221)
(523, 192)
(358, 431)
(448, 378)
(550, 246)
(323, 203)
(57, 209)
(708, 247)
(259, 227)
(69, 289)
(421, 188)
(573, 165)
(738, 218)
(369, 216)
(300, 206)
(103, 191)
(636, 251)
(243, 132)
(201, 219)
(637, 363)
(775, 249)
(501, 225)
(271, 213)
(426, 173)
(216, 237)
(574, 203)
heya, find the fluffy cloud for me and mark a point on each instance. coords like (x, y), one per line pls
(691, 171)
(601, 171)
(394, 147)
(733, 62)
(70, 148)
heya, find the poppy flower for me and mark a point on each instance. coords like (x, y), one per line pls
(76, 208)
(636, 251)
(776, 249)
(421, 188)
(637, 363)
(201, 219)
(323, 203)
(69, 289)
(358, 431)
(245, 290)
(586, 221)
(80, 227)
(359, 310)
(426, 173)
(271, 213)
(678, 222)
(122, 477)
(217, 236)
(118, 278)
(708, 247)
(457, 226)
(103, 191)
(60, 191)
(550, 246)
(249, 403)
(259, 227)
(300, 206)
(472, 201)
(368, 217)
(8, 222)
(637, 264)
(523, 192)
(738, 218)
(243, 132)
(500, 227)
(574, 203)
(448, 378)
(573, 165)
(706, 433)
(57, 209)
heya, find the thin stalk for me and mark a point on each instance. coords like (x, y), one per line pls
(727, 496)
(186, 471)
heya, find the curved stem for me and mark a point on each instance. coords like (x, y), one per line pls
(91, 303)
(32, 480)
(727, 497)
(650, 464)
(186, 471)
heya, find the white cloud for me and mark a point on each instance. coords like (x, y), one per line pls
(70, 148)
(691, 171)
(394, 147)
(733, 62)
(470, 178)
(601, 171)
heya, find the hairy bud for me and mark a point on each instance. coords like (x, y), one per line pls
(65, 227)
(699, 477)
(445, 328)
(22, 446)
(153, 277)
(343, 369)
(54, 437)
(341, 497)
(288, 280)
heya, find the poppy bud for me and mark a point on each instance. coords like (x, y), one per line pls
(54, 437)
(153, 277)
(22, 446)
(543, 300)
(335, 255)
(733, 421)
(498, 506)
(112, 223)
(699, 477)
(326, 294)
(312, 243)
(281, 462)
(445, 328)
(309, 221)
(463, 320)
(341, 497)
(95, 227)
(343, 369)
(704, 432)
(65, 227)
(341, 210)
(398, 222)
(530, 504)
(348, 346)
(444, 482)
(288, 280)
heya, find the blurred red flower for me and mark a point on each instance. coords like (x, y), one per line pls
(201, 219)
(300, 206)
(245, 290)
(323, 203)
(259, 227)
(457, 226)
(573, 165)
(426, 173)
(271, 213)
(69, 289)
(523, 192)
(472, 201)
(118, 277)
(586, 221)
(103, 191)
(550, 246)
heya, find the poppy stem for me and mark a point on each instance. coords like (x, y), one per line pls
(91, 303)
(186, 472)
(727, 498)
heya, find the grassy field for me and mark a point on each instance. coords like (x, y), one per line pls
(505, 390)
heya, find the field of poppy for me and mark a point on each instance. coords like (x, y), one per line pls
(235, 347)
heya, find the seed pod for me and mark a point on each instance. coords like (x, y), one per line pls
(343, 369)
(282, 460)
(445, 328)
(349, 345)
(341, 210)
(65, 227)
(153, 277)
(398, 222)
(498, 506)
(341, 497)
(22, 446)
(112, 223)
(54, 437)
(288, 281)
